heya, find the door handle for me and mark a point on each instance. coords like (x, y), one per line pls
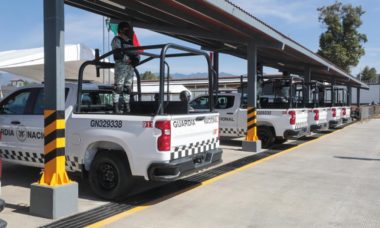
(15, 122)
(230, 113)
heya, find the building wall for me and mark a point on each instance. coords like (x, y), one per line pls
(367, 96)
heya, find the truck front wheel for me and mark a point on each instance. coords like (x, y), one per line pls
(266, 136)
(110, 176)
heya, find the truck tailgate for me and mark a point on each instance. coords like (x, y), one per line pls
(194, 134)
(301, 118)
(322, 115)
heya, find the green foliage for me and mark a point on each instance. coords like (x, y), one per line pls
(341, 43)
(368, 75)
(148, 75)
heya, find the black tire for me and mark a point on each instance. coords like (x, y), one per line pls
(110, 176)
(280, 140)
(266, 136)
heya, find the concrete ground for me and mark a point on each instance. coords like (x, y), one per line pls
(15, 190)
(330, 182)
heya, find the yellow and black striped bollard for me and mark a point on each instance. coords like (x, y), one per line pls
(54, 150)
(251, 124)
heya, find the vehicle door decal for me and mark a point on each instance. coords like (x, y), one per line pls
(194, 148)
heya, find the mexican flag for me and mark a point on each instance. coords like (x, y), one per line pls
(113, 27)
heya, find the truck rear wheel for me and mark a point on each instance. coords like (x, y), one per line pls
(266, 136)
(280, 140)
(110, 176)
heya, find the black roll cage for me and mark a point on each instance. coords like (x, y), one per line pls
(317, 85)
(336, 89)
(150, 56)
(290, 78)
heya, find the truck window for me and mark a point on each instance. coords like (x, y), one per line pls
(274, 94)
(38, 108)
(200, 103)
(223, 102)
(97, 101)
(16, 104)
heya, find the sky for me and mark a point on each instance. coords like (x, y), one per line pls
(21, 26)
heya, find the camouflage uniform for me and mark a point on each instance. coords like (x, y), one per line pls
(123, 71)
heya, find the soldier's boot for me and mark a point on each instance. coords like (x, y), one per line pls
(126, 108)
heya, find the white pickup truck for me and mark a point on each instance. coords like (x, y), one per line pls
(278, 117)
(342, 95)
(346, 114)
(272, 124)
(318, 114)
(317, 119)
(111, 147)
(337, 113)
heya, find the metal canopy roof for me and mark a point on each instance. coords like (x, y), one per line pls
(219, 25)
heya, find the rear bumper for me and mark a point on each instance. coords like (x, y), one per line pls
(180, 167)
(319, 127)
(335, 123)
(346, 119)
(295, 133)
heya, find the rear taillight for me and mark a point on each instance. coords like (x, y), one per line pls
(333, 112)
(316, 114)
(292, 117)
(343, 111)
(164, 140)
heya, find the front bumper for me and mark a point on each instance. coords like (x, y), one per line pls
(175, 169)
(295, 133)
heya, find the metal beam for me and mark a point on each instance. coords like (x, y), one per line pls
(179, 12)
(215, 66)
(229, 16)
(189, 32)
(290, 63)
(307, 77)
(349, 95)
(358, 96)
(62, 201)
(332, 92)
(252, 142)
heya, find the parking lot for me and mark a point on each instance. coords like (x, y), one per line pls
(326, 180)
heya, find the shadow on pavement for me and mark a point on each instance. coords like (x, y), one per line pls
(24, 176)
(355, 158)
(229, 142)
(17, 208)
(282, 146)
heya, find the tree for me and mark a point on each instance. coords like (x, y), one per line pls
(368, 75)
(148, 75)
(341, 43)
